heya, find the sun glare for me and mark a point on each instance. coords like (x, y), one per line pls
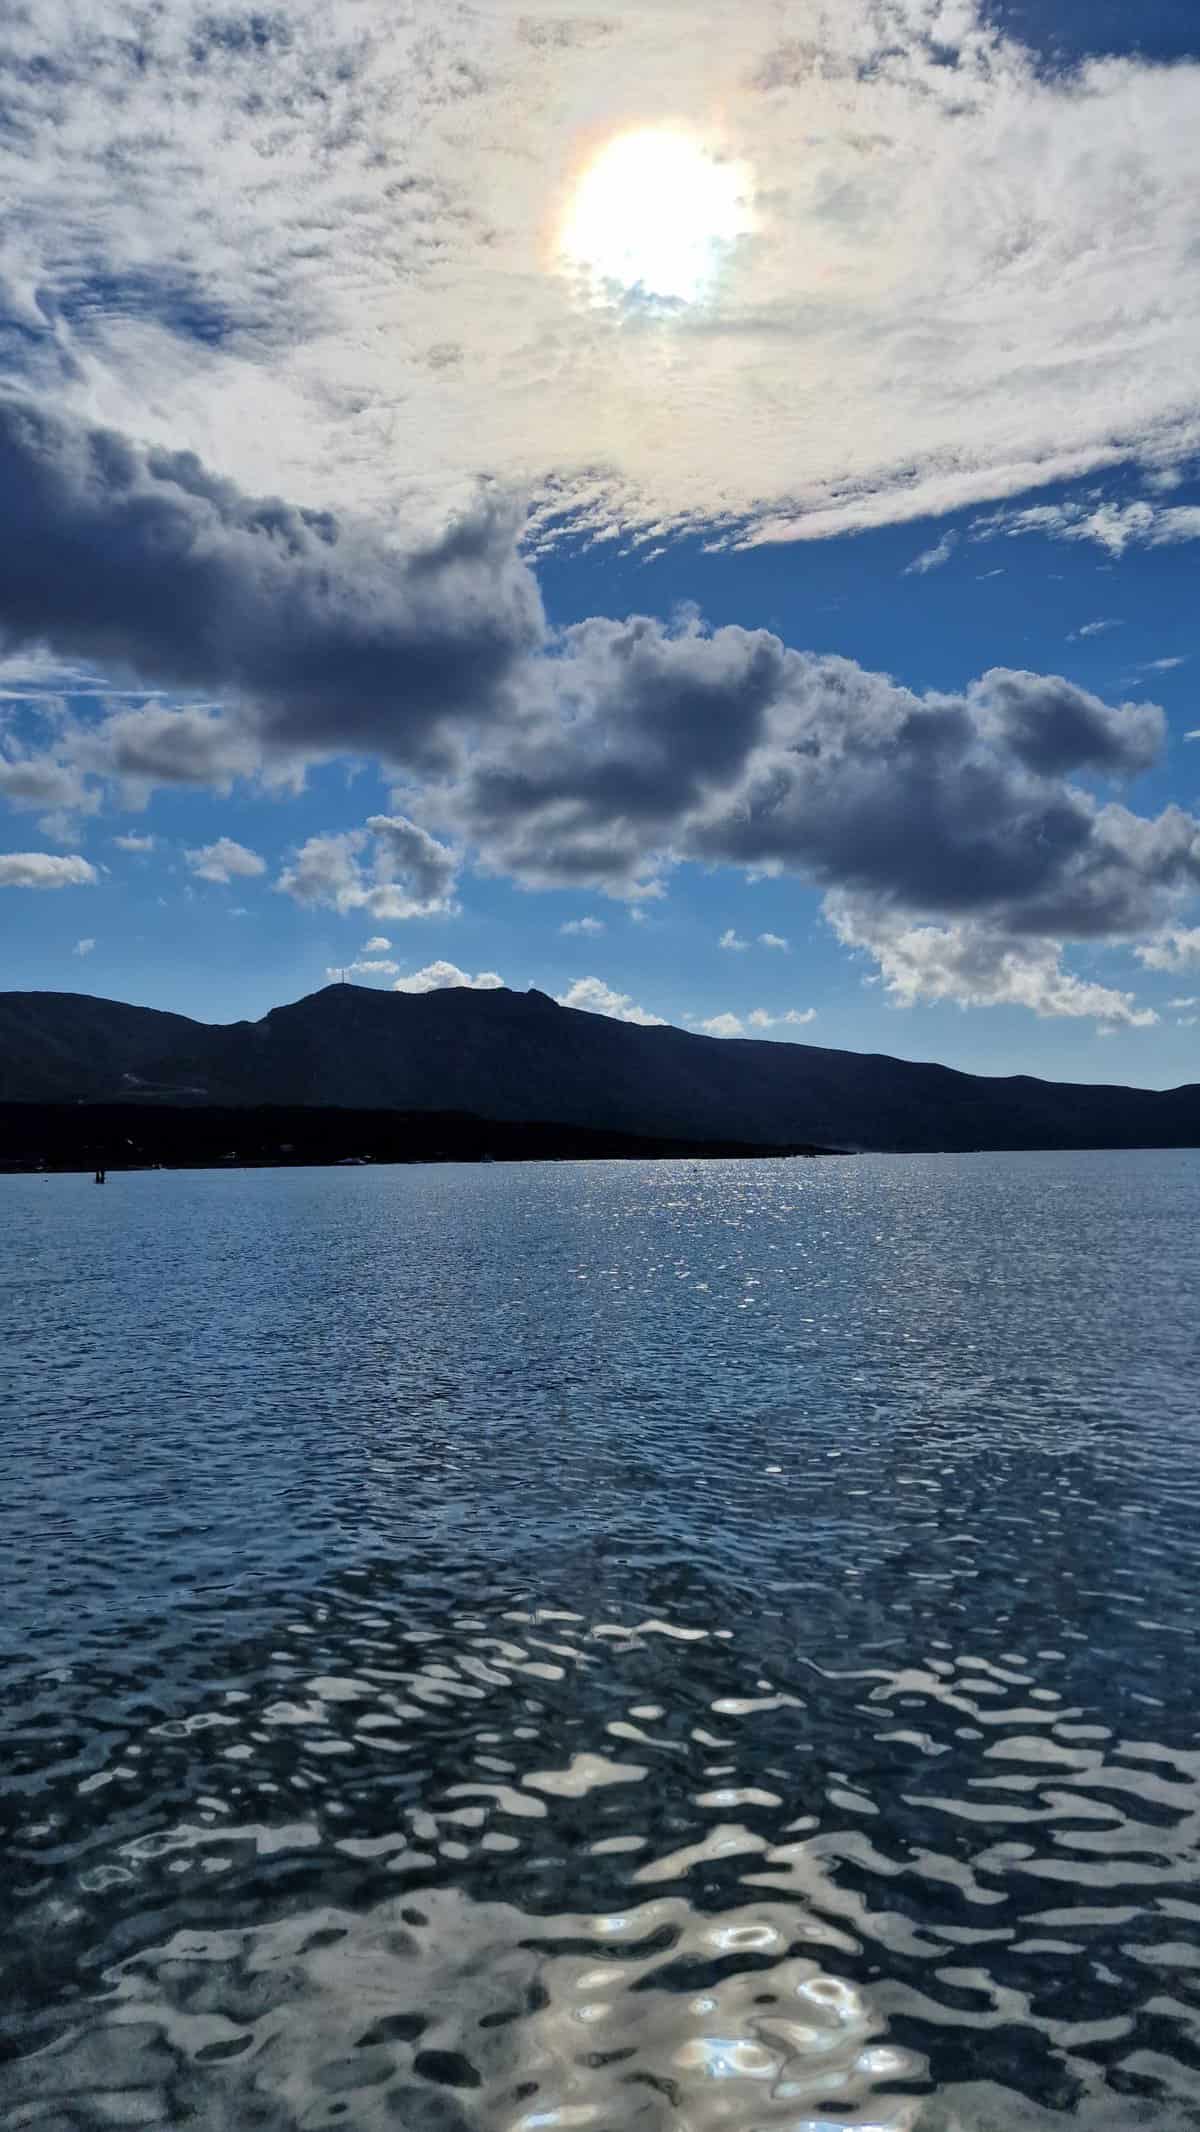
(656, 214)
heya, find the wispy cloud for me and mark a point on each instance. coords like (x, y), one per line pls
(732, 941)
(1112, 526)
(933, 558)
(885, 188)
(586, 928)
(83, 947)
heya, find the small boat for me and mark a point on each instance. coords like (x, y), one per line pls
(99, 1177)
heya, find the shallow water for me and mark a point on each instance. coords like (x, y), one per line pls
(708, 1646)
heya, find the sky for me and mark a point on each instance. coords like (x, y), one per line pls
(695, 511)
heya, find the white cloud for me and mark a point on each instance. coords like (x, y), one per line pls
(933, 558)
(729, 939)
(774, 940)
(949, 292)
(378, 946)
(225, 861)
(1096, 629)
(793, 1019)
(1184, 1003)
(1165, 666)
(595, 997)
(1177, 948)
(974, 966)
(723, 1025)
(586, 926)
(83, 947)
(132, 842)
(369, 968)
(1112, 526)
(411, 875)
(1194, 734)
(1188, 1021)
(40, 869)
(445, 976)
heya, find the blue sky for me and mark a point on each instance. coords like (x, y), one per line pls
(706, 526)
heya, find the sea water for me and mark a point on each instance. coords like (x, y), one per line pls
(694, 1645)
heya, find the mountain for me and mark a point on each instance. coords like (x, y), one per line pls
(518, 1056)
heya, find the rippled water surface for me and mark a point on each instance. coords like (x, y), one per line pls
(629, 1647)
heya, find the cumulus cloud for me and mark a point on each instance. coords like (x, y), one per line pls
(378, 946)
(642, 745)
(408, 874)
(774, 940)
(729, 939)
(595, 997)
(135, 843)
(157, 745)
(596, 757)
(1177, 948)
(321, 631)
(723, 1025)
(29, 780)
(83, 947)
(445, 976)
(225, 860)
(900, 160)
(41, 869)
(587, 927)
(974, 966)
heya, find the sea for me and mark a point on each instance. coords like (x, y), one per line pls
(639, 1647)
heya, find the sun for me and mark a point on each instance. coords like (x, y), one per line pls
(655, 214)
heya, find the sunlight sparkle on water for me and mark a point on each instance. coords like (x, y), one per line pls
(656, 213)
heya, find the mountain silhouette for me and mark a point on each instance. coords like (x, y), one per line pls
(519, 1057)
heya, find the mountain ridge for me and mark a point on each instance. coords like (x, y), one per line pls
(521, 1057)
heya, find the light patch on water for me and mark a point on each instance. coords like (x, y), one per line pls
(437, 2011)
(584, 1773)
